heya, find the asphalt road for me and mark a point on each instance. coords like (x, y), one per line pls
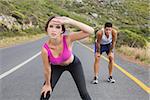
(24, 77)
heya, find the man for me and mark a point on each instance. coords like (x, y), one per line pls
(105, 42)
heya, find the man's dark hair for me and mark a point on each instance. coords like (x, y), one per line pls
(108, 24)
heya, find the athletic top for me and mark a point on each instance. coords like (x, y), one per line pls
(104, 39)
(65, 54)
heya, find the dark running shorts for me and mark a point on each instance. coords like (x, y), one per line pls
(104, 48)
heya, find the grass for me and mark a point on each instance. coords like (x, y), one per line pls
(9, 41)
(139, 54)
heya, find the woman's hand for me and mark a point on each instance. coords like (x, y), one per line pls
(45, 90)
(66, 20)
(62, 20)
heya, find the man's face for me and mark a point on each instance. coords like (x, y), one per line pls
(108, 30)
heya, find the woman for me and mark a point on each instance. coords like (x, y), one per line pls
(58, 57)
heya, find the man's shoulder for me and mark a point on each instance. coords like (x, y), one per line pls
(100, 31)
(114, 31)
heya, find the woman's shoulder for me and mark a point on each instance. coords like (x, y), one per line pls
(66, 36)
(68, 39)
(44, 48)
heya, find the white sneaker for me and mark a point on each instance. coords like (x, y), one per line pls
(111, 80)
(95, 80)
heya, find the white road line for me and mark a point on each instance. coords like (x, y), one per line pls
(18, 66)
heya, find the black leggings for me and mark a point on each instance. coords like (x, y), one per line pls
(75, 68)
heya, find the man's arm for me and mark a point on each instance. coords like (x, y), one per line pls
(98, 37)
(114, 39)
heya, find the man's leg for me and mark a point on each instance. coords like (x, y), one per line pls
(96, 64)
(111, 66)
(96, 68)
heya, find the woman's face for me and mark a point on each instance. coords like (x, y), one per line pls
(54, 29)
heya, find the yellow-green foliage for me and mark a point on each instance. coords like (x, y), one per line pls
(126, 37)
(140, 54)
(18, 15)
(127, 15)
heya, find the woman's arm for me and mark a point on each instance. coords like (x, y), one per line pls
(78, 35)
(47, 72)
(85, 29)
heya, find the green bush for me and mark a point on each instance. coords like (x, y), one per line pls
(10, 34)
(80, 18)
(33, 31)
(57, 10)
(5, 7)
(19, 16)
(126, 37)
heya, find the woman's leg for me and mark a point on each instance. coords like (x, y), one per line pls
(76, 71)
(55, 75)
